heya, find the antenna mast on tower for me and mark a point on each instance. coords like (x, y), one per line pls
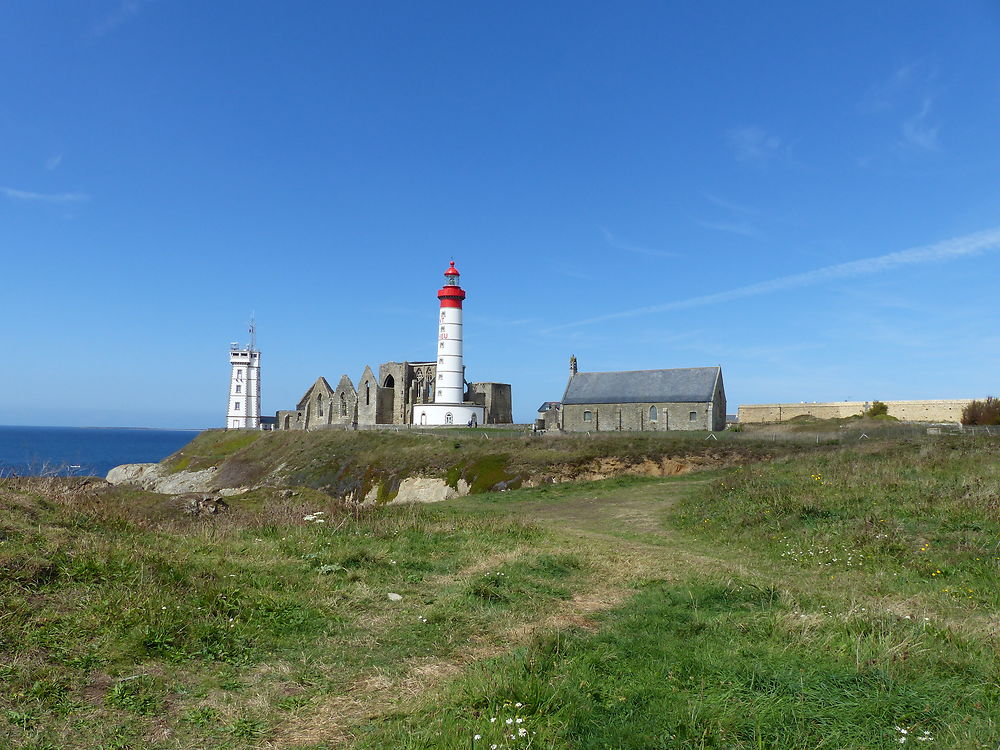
(253, 332)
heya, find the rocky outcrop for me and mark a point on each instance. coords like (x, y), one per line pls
(424, 490)
(203, 505)
(132, 473)
(155, 478)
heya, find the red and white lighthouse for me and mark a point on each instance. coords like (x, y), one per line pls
(449, 405)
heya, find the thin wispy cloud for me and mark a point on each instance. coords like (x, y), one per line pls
(53, 161)
(741, 228)
(125, 11)
(954, 249)
(619, 244)
(736, 223)
(572, 273)
(26, 195)
(886, 93)
(729, 205)
(752, 144)
(908, 93)
(918, 132)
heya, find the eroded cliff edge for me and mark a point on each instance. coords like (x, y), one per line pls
(423, 466)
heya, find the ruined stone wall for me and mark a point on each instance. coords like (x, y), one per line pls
(392, 376)
(388, 398)
(368, 387)
(385, 406)
(496, 400)
(637, 417)
(343, 403)
(719, 405)
(290, 419)
(934, 410)
(551, 420)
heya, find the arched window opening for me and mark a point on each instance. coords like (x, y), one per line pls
(587, 416)
(343, 404)
(429, 391)
(368, 395)
(423, 417)
(449, 418)
(652, 413)
(390, 382)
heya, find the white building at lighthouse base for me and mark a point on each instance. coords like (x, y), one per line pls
(448, 414)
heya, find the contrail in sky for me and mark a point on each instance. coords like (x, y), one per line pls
(960, 247)
(24, 195)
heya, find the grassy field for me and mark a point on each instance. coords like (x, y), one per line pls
(844, 598)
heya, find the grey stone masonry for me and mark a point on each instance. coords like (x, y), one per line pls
(644, 400)
(632, 417)
(344, 406)
(496, 399)
(368, 388)
(385, 399)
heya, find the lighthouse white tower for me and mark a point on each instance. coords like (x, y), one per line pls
(449, 405)
(244, 385)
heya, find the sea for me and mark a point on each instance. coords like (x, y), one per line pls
(83, 451)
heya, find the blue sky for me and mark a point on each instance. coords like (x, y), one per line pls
(805, 193)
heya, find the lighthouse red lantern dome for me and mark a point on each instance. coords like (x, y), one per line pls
(451, 294)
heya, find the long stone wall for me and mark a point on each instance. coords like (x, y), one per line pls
(935, 410)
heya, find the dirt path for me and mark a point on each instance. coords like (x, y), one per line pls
(626, 539)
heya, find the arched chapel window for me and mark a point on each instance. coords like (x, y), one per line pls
(652, 413)
(367, 394)
(343, 404)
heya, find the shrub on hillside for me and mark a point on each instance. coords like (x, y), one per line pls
(877, 409)
(982, 412)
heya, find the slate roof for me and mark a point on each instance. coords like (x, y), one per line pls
(546, 405)
(685, 384)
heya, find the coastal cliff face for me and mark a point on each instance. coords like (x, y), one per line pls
(381, 468)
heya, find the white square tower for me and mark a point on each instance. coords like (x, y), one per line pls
(244, 388)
